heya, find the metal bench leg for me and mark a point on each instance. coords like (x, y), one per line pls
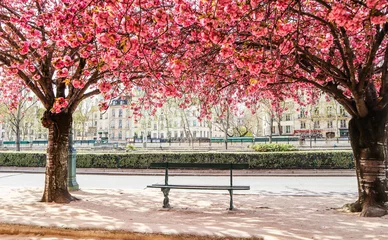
(231, 200)
(166, 201)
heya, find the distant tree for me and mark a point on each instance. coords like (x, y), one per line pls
(14, 115)
(82, 116)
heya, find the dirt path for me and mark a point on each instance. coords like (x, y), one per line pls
(201, 214)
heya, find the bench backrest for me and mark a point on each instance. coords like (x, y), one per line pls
(200, 165)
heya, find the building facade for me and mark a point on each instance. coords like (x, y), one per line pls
(324, 119)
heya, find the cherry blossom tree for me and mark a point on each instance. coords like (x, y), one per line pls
(65, 51)
(338, 47)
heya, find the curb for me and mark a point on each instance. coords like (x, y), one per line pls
(263, 174)
(79, 233)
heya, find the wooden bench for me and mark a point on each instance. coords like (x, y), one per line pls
(166, 187)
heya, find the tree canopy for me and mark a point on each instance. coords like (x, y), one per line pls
(66, 51)
(339, 47)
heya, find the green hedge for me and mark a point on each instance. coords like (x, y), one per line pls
(256, 160)
(273, 147)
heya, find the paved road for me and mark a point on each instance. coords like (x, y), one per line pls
(259, 185)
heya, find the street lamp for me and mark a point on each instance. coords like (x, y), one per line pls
(72, 184)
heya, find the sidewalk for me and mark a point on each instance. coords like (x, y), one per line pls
(180, 172)
(270, 217)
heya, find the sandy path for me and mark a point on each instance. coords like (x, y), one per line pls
(271, 217)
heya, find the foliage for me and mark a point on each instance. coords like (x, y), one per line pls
(273, 147)
(22, 159)
(67, 51)
(278, 160)
(254, 50)
(130, 148)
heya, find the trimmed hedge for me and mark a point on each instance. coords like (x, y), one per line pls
(256, 160)
(273, 147)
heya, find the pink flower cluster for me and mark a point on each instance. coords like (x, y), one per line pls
(105, 87)
(103, 106)
(59, 104)
(78, 83)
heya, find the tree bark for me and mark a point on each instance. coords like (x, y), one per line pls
(368, 136)
(55, 189)
(17, 137)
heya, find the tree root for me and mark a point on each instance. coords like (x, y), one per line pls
(353, 207)
(60, 196)
(366, 210)
(374, 210)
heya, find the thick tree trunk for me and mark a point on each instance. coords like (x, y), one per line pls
(55, 189)
(368, 137)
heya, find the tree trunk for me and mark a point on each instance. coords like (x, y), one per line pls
(55, 189)
(17, 142)
(280, 128)
(270, 129)
(368, 137)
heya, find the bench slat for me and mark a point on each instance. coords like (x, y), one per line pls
(203, 187)
(200, 165)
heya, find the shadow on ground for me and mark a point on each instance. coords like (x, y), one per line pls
(270, 217)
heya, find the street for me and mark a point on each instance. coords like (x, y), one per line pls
(308, 186)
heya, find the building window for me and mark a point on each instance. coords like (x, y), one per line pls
(302, 125)
(120, 136)
(155, 126)
(330, 111)
(302, 113)
(120, 123)
(342, 112)
(175, 134)
(273, 129)
(95, 123)
(149, 125)
(330, 124)
(162, 135)
(120, 112)
(101, 115)
(181, 134)
(288, 129)
(343, 123)
(113, 135)
(113, 113)
(194, 134)
(316, 111)
(155, 135)
(316, 124)
(112, 124)
(162, 126)
(194, 123)
(288, 117)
